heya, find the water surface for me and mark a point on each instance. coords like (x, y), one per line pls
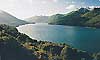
(82, 38)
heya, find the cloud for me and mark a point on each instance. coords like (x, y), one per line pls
(91, 6)
(44, 2)
(70, 7)
(70, 2)
(82, 3)
(73, 2)
(55, 0)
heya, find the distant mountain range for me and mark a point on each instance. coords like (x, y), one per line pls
(81, 17)
(38, 19)
(6, 18)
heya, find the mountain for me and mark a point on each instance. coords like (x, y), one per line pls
(72, 18)
(17, 46)
(38, 19)
(92, 18)
(6, 18)
(81, 17)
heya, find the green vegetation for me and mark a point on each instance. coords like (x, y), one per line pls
(81, 17)
(18, 46)
(10, 48)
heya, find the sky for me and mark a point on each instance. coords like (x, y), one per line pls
(27, 8)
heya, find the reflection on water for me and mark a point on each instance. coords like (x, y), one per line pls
(82, 38)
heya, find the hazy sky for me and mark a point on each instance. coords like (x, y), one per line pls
(27, 8)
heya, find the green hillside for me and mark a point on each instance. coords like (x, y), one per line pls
(81, 17)
(93, 18)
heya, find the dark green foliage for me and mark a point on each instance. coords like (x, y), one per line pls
(73, 54)
(55, 50)
(97, 57)
(94, 22)
(9, 30)
(10, 48)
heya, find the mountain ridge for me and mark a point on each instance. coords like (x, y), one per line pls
(38, 19)
(80, 17)
(6, 18)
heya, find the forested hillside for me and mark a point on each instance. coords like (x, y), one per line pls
(81, 17)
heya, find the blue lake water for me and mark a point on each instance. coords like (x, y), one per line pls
(87, 39)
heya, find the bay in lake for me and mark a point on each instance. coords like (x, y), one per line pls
(82, 38)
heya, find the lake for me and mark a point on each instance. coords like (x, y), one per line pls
(87, 39)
